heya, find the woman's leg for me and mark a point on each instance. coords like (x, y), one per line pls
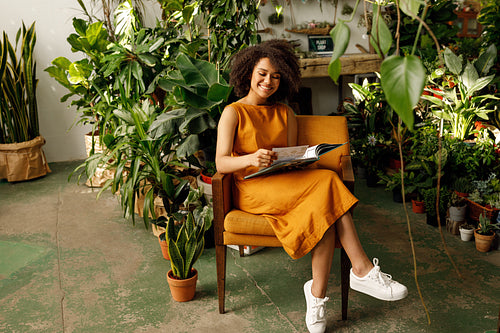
(348, 236)
(321, 261)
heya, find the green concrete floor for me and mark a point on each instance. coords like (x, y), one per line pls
(71, 263)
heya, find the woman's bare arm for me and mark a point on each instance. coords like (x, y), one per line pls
(291, 128)
(225, 137)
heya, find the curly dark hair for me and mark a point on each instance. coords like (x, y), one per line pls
(280, 54)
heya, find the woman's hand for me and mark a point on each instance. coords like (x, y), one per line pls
(262, 158)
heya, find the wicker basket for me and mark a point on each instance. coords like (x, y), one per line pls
(476, 209)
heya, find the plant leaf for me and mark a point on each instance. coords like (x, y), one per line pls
(380, 35)
(410, 7)
(403, 79)
(340, 35)
(453, 62)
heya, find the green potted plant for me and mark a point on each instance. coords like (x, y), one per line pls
(455, 97)
(21, 154)
(457, 208)
(462, 187)
(485, 198)
(485, 233)
(186, 242)
(430, 196)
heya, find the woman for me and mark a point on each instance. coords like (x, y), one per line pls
(307, 208)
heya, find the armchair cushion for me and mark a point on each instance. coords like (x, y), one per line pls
(240, 222)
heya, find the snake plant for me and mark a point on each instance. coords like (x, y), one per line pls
(18, 104)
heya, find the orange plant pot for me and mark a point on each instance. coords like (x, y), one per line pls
(164, 248)
(418, 207)
(182, 290)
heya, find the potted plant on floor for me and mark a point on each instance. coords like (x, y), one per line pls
(457, 208)
(430, 196)
(462, 186)
(186, 242)
(485, 233)
(21, 154)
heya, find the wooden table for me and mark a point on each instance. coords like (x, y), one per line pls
(357, 63)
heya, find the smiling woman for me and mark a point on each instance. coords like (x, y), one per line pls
(306, 207)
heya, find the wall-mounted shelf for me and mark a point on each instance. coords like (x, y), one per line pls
(358, 63)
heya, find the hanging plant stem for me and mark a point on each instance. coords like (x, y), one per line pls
(412, 244)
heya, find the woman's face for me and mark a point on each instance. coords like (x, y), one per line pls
(265, 80)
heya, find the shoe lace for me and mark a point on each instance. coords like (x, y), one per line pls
(379, 276)
(318, 309)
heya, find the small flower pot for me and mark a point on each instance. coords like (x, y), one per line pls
(164, 248)
(466, 234)
(182, 290)
(418, 207)
(205, 178)
(483, 242)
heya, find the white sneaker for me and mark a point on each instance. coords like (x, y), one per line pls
(379, 285)
(315, 316)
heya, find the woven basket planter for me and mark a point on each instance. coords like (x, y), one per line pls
(476, 209)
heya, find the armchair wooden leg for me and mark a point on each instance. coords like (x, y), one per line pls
(345, 267)
(220, 259)
(242, 250)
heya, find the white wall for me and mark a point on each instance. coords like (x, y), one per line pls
(54, 24)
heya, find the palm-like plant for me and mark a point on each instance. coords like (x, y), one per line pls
(18, 104)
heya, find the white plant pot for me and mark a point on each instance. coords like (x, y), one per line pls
(457, 214)
(466, 234)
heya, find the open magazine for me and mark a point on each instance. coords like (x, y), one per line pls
(289, 157)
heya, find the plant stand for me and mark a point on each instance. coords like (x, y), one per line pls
(453, 226)
(23, 160)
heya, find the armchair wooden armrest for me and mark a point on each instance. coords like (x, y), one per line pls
(347, 172)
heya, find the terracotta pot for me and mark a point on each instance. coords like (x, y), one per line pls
(418, 206)
(164, 248)
(182, 290)
(483, 242)
(205, 178)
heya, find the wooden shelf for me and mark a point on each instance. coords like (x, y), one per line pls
(361, 63)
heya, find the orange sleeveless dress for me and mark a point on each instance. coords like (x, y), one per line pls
(300, 205)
